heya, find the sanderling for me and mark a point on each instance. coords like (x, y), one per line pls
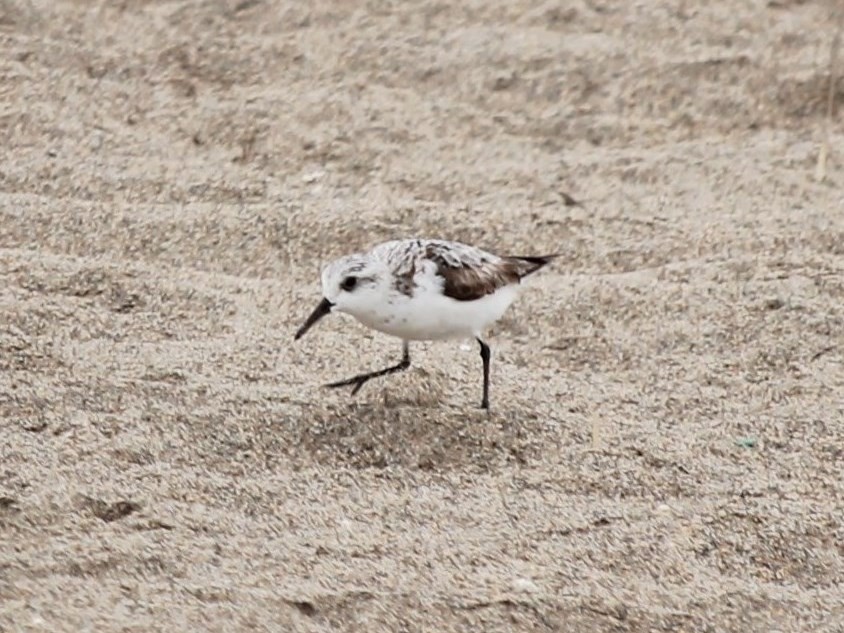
(422, 290)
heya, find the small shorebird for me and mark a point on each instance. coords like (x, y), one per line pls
(420, 290)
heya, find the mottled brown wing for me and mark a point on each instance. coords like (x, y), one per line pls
(468, 283)
(469, 273)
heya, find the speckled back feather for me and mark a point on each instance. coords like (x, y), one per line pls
(468, 273)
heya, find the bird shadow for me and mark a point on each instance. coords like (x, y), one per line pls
(396, 434)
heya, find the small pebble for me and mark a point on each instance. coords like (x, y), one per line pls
(524, 585)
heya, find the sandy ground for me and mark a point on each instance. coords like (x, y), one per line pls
(666, 446)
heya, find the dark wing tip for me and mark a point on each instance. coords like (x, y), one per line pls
(532, 263)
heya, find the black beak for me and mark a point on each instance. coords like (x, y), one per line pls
(320, 311)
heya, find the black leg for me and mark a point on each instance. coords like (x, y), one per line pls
(485, 358)
(361, 379)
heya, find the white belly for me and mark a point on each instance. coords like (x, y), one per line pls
(433, 316)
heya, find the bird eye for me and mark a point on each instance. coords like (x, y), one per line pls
(349, 283)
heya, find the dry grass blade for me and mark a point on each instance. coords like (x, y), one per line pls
(823, 154)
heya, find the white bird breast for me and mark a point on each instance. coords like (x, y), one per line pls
(430, 315)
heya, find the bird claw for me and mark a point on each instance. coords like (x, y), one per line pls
(357, 381)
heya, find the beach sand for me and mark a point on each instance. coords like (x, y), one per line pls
(666, 442)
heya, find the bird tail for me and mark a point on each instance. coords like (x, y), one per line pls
(530, 264)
